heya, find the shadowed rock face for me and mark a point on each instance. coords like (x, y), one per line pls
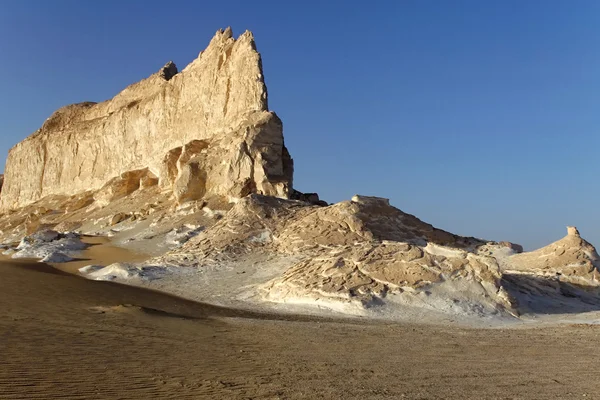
(168, 71)
(220, 98)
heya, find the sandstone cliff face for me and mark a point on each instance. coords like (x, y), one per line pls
(220, 99)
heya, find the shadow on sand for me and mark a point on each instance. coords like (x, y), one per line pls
(550, 295)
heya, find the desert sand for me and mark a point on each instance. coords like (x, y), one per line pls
(67, 337)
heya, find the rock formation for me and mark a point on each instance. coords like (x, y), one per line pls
(354, 252)
(364, 253)
(570, 258)
(191, 166)
(206, 131)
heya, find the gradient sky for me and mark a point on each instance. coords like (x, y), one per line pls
(479, 117)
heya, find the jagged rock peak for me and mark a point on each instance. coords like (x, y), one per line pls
(225, 38)
(572, 231)
(228, 32)
(219, 99)
(223, 35)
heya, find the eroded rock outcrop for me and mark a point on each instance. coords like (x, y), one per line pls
(364, 253)
(355, 252)
(219, 100)
(570, 258)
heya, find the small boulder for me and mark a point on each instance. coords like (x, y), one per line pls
(45, 236)
(311, 198)
(118, 218)
(517, 248)
(168, 71)
(56, 257)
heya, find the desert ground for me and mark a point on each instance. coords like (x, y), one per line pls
(65, 337)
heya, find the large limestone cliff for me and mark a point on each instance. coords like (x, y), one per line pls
(205, 131)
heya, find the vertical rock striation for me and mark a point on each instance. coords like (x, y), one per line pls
(220, 99)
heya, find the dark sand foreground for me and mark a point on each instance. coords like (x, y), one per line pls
(64, 337)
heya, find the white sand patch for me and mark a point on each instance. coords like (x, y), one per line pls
(50, 246)
(324, 305)
(124, 271)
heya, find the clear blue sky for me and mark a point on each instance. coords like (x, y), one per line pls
(480, 117)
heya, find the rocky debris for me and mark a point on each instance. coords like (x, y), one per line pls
(219, 99)
(182, 234)
(118, 218)
(68, 226)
